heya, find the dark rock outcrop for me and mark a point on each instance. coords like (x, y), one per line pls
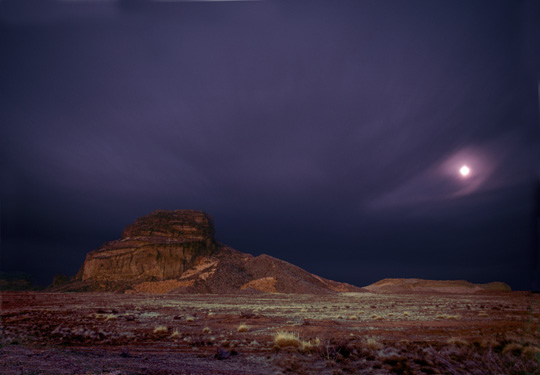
(17, 281)
(175, 252)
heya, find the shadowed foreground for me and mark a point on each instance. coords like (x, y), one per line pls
(349, 333)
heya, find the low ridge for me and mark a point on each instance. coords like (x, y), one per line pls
(434, 286)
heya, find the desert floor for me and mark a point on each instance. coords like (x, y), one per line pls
(350, 333)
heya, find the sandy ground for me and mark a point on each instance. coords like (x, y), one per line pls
(350, 333)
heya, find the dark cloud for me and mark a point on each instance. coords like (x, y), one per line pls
(308, 130)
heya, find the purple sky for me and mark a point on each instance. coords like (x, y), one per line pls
(325, 133)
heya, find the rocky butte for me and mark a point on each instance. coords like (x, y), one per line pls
(176, 252)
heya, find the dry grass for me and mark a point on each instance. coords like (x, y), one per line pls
(190, 319)
(448, 317)
(106, 316)
(175, 334)
(406, 313)
(243, 328)
(353, 317)
(373, 344)
(208, 330)
(283, 339)
(376, 317)
(161, 329)
(483, 314)
(309, 346)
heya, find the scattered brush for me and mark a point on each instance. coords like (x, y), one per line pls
(353, 317)
(373, 344)
(243, 328)
(174, 335)
(190, 318)
(206, 330)
(161, 329)
(483, 314)
(406, 313)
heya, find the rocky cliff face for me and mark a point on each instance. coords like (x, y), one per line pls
(175, 252)
(158, 246)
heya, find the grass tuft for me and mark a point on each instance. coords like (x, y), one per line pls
(283, 339)
(243, 328)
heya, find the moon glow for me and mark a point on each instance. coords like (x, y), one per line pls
(464, 170)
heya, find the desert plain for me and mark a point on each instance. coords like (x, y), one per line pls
(491, 332)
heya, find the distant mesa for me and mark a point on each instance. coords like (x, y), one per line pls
(176, 252)
(434, 286)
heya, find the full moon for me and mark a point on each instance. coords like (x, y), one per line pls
(464, 171)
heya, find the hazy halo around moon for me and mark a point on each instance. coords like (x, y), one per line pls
(464, 170)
